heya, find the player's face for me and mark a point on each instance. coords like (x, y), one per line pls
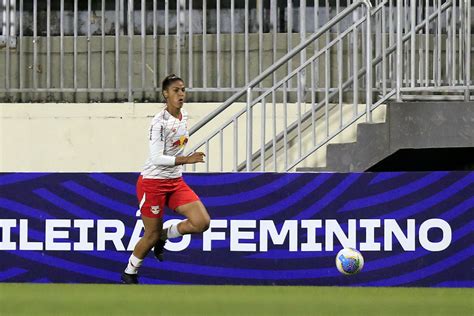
(175, 94)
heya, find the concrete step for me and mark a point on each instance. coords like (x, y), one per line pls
(408, 125)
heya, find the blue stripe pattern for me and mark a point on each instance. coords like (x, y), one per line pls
(248, 196)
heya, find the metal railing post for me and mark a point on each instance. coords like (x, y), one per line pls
(399, 50)
(467, 75)
(130, 49)
(249, 129)
(368, 65)
(282, 61)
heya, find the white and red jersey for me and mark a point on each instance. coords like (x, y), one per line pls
(167, 138)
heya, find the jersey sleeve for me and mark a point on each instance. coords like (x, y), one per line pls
(157, 146)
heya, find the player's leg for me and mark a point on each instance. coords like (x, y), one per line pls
(185, 202)
(153, 228)
(152, 203)
(197, 219)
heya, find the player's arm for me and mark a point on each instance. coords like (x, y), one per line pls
(193, 158)
(157, 148)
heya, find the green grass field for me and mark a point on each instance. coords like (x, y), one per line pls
(74, 299)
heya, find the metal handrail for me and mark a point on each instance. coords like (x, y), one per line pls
(268, 91)
(393, 51)
(279, 63)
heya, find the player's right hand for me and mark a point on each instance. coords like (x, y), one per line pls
(196, 157)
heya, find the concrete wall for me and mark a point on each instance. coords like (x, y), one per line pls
(113, 136)
(91, 137)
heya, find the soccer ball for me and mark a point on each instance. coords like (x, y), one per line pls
(349, 261)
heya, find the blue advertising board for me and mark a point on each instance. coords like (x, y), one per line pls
(413, 229)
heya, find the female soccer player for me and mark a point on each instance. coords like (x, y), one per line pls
(160, 183)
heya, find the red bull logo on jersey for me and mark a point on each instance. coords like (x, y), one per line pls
(180, 142)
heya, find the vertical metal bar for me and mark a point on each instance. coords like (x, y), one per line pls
(363, 44)
(462, 15)
(4, 11)
(262, 135)
(122, 16)
(236, 142)
(327, 68)
(399, 50)
(178, 36)
(7, 35)
(22, 63)
(89, 10)
(167, 40)
(435, 50)
(249, 129)
(340, 67)
(273, 14)
(355, 68)
(419, 47)
(61, 45)
(35, 44)
(218, 42)
(427, 42)
(313, 104)
(468, 52)
(204, 43)
(274, 155)
(260, 36)
(289, 26)
(302, 76)
(378, 46)
(384, 53)
(453, 47)
(207, 156)
(368, 65)
(143, 42)
(246, 43)
(438, 41)
(75, 44)
(448, 57)
(232, 44)
(102, 39)
(391, 40)
(316, 43)
(339, 81)
(299, 98)
(155, 46)
(190, 44)
(48, 44)
(406, 51)
(412, 43)
(285, 122)
(221, 142)
(117, 44)
(406, 55)
(130, 50)
(13, 19)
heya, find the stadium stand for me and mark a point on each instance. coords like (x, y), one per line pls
(298, 75)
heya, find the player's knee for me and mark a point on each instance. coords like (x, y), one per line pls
(152, 236)
(204, 224)
(207, 223)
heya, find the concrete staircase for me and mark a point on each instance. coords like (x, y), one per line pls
(408, 125)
